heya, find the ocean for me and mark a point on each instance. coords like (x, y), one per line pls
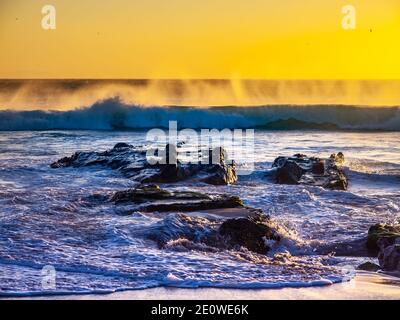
(51, 217)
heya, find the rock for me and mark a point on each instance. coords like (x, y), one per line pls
(353, 248)
(120, 156)
(216, 172)
(122, 145)
(201, 231)
(384, 240)
(170, 155)
(141, 194)
(301, 169)
(289, 173)
(221, 174)
(389, 258)
(134, 165)
(368, 266)
(249, 233)
(318, 167)
(381, 235)
(182, 227)
(152, 198)
(218, 202)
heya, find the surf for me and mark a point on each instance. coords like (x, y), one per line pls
(113, 114)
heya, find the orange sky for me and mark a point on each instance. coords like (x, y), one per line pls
(258, 39)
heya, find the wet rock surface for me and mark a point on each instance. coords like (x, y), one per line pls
(385, 239)
(151, 198)
(132, 162)
(368, 266)
(381, 236)
(354, 248)
(389, 258)
(252, 233)
(382, 242)
(300, 169)
(210, 233)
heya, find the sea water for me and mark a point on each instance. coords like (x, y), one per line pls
(50, 217)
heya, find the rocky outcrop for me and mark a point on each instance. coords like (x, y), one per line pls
(381, 236)
(133, 164)
(368, 266)
(352, 248)
(301, 169)
(385, 240)
(119, 157)
(151, 198)
(251, 233)
(382, 241)
(389, 258)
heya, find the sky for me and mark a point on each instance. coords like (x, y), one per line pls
(200, 39)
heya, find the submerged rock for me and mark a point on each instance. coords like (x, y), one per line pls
(251, 233)
(151, 198)
(301, 169)
(289, 173)
(384, 240)
(381, 235)
(216, 172)
(368, 266)
(389, 258)
(210, 233)
(133, 164)
(118, 157)
(352, 248)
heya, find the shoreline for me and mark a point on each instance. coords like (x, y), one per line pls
(365, 286)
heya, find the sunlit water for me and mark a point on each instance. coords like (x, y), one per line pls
(48, 217)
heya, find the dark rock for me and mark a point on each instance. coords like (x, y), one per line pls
(368, 266)
(318, 167)
(385, 240)
(122, 155)
(141, 194)
(221, 174)
(152, 198)
(381, 236)
(197, 232)
(353, 248)
(301, 169)
(64, 162)
(170, 155)
(185, 228)
(248, 233)
(219, 202)
(122, 145)
(389, 258)
(133, 164)
(289, 173)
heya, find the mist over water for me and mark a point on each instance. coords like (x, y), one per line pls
(71, 94)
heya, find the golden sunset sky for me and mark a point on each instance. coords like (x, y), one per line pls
(253, 39)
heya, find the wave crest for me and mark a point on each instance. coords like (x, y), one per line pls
(112, 114)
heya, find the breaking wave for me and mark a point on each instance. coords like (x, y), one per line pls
(112, 114)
